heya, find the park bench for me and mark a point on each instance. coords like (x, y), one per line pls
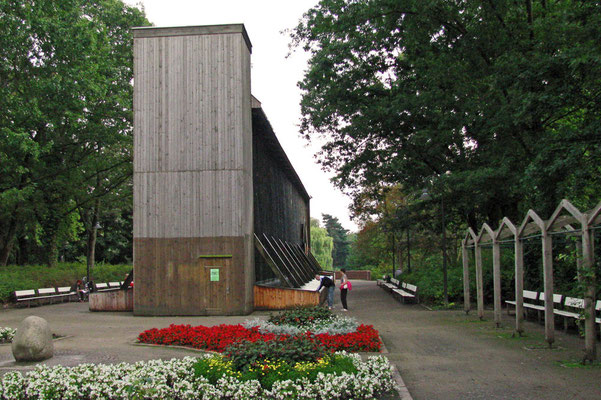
(572, 309)
(530, 303)
(48, 294)
(108, 286)
(407, 292)
(392, 285)
(25, 296)
(43, 295)
(66, 293)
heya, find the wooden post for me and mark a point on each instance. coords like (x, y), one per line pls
(479, 285)
(496, 270)
(588, 276)
(519, 285)
(548, 285)
(466, 277)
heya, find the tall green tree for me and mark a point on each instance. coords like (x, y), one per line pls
(504, 95)
(339, 235)
(321, 244)
(65, 115)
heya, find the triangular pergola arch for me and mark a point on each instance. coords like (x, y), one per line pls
(563, 220)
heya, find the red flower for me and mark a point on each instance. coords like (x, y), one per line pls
(218, 338)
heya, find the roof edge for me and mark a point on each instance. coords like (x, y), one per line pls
(153, 31)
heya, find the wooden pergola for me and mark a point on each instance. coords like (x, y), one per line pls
(566, 219)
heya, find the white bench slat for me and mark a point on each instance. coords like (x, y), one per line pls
(534, 306)
(20, 293)
(556, 297)
(530, 295)
(411, 287)
(114, 284)
(574, 302)
(65, 289)
(565, 313)
(101, 286)
(403, 293)
(47, 291)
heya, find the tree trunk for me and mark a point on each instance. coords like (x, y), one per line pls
(52, 250)
(91, 243)
(9, 242)
(91, 250)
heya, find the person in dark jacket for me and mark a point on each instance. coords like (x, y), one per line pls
(326, 281)
(344, 288)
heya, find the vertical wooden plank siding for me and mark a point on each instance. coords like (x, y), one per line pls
(466, 277)
(519, 284)
(192, 168)
(548, 285)
(496, 270)
(275, 298)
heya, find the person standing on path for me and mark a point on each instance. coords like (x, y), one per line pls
(328, 283)
(344, 287)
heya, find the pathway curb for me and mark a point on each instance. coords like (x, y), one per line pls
(402, 388)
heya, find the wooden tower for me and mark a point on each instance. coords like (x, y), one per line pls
(193, 176)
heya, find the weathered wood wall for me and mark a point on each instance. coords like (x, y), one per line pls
(113, 300)
(281, 204)
(192, 168)
(277, 298)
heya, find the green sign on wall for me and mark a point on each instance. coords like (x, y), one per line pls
(214, 274)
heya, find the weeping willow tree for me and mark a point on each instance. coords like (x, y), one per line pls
(321, 244)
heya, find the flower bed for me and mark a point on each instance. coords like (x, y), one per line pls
(316, 324)
(7, 335)
(220, 337)
(207, 377)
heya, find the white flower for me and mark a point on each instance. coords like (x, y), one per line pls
(175, 379)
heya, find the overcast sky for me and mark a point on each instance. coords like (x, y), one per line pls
(274, 77)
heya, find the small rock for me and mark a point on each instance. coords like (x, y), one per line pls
(33, 340)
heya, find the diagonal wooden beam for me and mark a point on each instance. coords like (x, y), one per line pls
(272, 264)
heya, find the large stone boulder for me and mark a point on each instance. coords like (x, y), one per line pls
(33, 340)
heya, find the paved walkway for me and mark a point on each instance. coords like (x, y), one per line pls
(440, 354)
(448, 355)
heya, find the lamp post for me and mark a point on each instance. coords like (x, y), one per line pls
(426, 196)
(408, 249)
